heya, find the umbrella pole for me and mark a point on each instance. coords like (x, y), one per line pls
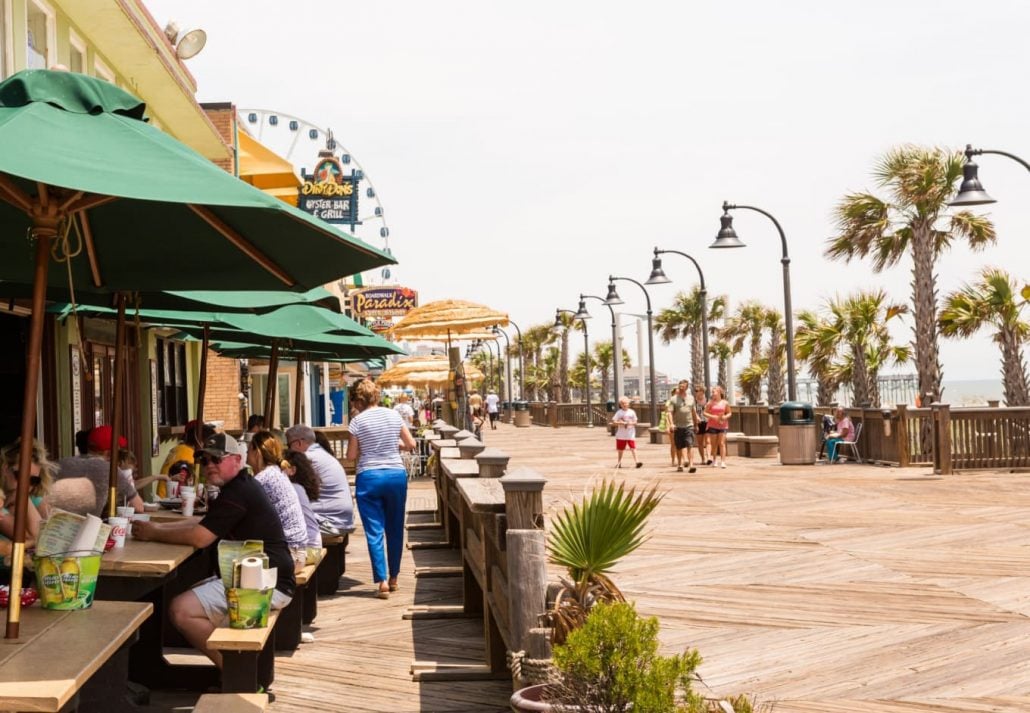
(298, 391)
(117, 417)
(273, 380)
(43, 234)
(202, 384)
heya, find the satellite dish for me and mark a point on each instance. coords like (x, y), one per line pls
(191, 44)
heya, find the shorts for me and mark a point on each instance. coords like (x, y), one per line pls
(683, 437)
(211, 593)
(702, 427)
(622, 443)
(494, 415)
(717, 431)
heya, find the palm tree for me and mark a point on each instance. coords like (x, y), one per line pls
(536, 338)
(604, 363)
(816, 342)
(993, 301)
(774, 357)
(920, 182)
(683, 320)
(747, 324)
(566, 321)
(721, 352)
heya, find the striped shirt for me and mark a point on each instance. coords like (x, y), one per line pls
(377, 430)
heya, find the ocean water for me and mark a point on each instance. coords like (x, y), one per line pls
(972, 393)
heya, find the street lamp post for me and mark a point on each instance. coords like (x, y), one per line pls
(727, 238)
(507, 352)
(522, 366)
(616, 350)
(971, 192)
(582, 315)
(658, 278)
(614, 299)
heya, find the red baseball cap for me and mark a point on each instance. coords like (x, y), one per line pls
(100, 439)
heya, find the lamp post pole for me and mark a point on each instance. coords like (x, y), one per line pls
(582, 316)
(507, 354)
(614, 299)
(658, 278)
(727, 238)
(616, 350)
(522, 366)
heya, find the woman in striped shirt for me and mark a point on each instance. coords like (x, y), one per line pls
(376, 436)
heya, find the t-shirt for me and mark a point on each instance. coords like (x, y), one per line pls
(334, 501)
(626, 432)
(491, 403)
(98, 470)
(310, 521)
(377, 430)
(681, 408)
(475, 401)
(407, 414)
(242, 511)
(280, 491)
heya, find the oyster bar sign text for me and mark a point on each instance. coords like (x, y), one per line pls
(383, 301)
(328, 194)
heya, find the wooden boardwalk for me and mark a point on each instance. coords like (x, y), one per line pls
(843, 589)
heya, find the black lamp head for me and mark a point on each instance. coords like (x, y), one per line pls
(657, 273)
(613, 295)
(727, 236)
(557, 318)
(971, 192)
(582, 313)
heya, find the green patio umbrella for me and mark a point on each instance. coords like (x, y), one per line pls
(121, 206)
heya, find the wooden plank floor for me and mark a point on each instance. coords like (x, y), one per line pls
(824, 589)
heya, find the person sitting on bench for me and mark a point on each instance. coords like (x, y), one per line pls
(843, 430)
(241, 511)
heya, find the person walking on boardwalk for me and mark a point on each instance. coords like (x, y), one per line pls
(703, 449)
(718, 414)
(382, 482)
(683, 415)
(625, 437)
(492, 408)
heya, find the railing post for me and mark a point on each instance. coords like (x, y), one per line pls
(901, 437)
(526, 550)
(942, 439)
(552, 414)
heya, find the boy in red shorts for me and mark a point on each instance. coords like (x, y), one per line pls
(625, 437)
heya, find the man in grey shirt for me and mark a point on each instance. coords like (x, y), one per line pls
(96, 466)
(334, 501)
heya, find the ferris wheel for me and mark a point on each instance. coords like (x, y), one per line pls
(299, 142)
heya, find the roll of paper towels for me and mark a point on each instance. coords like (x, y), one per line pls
(251, 576)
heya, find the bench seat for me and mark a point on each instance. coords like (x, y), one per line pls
(248, 656)
(294, 615)
(333, 564)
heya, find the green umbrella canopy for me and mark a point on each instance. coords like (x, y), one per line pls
(359, 346)
(141, 211)
(255, 301)
(243, 350)
(301, 321)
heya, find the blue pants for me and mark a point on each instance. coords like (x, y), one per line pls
(831, 448)
(381, 496)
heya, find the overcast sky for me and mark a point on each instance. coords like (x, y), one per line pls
(524, 151)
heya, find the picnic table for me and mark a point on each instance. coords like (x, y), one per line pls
(156, 572)
(62, 654)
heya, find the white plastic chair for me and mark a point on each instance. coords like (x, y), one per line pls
(853, 443)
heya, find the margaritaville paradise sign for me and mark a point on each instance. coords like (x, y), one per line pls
(328, 194)
(383, 301)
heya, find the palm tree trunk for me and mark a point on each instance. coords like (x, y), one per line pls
(563, 369)
(924, 310)
(776, 388)
(1013, 370)
(826, 391)
(753, 391)
(724, 375)
(859, 376)
(697, 375)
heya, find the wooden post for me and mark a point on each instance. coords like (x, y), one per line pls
(202, 385)
(552, 414)
(298, 392)
(901, 436)
(272, 387)
(943, 440)
(524, 499)
(117, 415)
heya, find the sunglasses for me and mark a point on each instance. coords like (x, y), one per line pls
(209, 460)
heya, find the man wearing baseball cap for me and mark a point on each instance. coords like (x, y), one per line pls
(241, 511)
(96, 465)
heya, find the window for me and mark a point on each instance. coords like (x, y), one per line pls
(171, 383)
(102, 70)
(40, 38)
(76, 53)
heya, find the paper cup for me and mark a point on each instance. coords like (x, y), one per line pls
(126, 511)
(172, 488)
(119, 526)
(137, 517)
(188, 501)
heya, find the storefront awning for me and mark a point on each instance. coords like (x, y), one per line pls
(263, 168)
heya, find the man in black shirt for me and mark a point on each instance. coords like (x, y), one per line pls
(241, 511)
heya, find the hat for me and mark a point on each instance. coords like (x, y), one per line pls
(100, 439)
(221, 444)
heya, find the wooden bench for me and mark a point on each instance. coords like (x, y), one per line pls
(65, 659)
(761, 446)
(294, 615)
(248, 656)
(333, 564)
(232, 703)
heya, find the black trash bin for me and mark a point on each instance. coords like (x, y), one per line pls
(609, 406)
(799, 438)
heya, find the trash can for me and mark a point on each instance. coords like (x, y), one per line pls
(798, 438)
(609, 406)
(522, 416)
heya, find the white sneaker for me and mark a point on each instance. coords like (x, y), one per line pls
(306, 637)
(723, 464)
